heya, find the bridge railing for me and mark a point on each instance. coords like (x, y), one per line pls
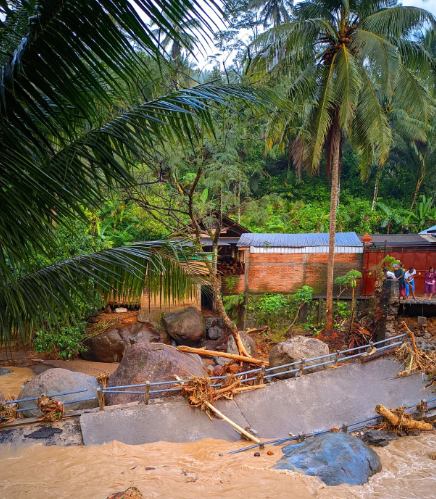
(297, 368)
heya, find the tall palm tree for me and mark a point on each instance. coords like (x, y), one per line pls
(273, 11)
(344, 59)
(76, 116)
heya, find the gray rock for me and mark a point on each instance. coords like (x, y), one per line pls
(186, 327)
(378, 438)
(111, 345)
(427, 335)
(214, 333)
(294, 350)
(58, 381)
(247, 341)
(220, 361)
(334, 458)
(4, 371)
(196, 357)
(151, 362)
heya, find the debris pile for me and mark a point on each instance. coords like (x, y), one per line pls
(52, 409)
(399, 421)
(200, 393)
(8, 412)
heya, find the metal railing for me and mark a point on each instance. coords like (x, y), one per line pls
(261, 373)
(300, 367)
(346, 428)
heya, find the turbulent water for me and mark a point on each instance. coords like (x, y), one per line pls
(197, 470)
(10, 384)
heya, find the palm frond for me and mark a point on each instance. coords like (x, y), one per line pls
(162, 268)
(40, 187)
(397, 21)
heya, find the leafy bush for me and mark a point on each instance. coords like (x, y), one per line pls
(232, 303)
(64, 344)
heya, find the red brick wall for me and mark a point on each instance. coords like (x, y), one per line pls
(285, 273)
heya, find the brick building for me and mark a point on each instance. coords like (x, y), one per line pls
(283, 263)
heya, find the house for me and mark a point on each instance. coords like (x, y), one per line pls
(228, 265)
(416, 250)
(283, 263)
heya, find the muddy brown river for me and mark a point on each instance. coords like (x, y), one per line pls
(196, 470)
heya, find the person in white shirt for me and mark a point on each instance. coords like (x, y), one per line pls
(388, 274)
(409, 278)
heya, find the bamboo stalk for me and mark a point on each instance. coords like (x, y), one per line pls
(407, 423)
(212, 353)
(234, 425)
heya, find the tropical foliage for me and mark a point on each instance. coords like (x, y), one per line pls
(344, 63)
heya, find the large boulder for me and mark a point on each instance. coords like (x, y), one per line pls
(248, 343)
(147, 362)
(186, 327)
(334, 458)
(294, 350)
(55, 381)
(111, 345)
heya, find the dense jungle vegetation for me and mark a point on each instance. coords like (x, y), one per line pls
(313, 117)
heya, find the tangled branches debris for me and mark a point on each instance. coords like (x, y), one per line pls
(200, 393)
(416, 361)
(52, 410)
(8, 412)
(359, 336)
(399, 421)
(102, 378)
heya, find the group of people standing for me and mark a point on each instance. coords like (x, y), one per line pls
(406, 281)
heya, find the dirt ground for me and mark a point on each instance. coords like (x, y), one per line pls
(412, 323)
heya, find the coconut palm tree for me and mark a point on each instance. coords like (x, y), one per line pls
(273, 11)
(76, 116)
(343, 60)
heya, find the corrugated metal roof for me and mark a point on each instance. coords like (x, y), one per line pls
(399, 240)
(430, 230)
(349, 239)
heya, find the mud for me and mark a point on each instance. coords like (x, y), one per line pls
(202, 469)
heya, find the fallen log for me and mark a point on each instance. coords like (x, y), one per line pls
(234, 425)
(212, 353)
(257, 330)
(378, 355)
(403, 421)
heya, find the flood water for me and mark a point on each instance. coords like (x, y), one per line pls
(10, 384)
(196, 470)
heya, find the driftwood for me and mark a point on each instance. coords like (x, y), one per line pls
(378, 354)
(412, 336)
(213, 353)
(257, 330)
(233, 425)
(403, 420)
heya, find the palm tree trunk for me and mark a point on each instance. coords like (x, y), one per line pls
(376, 188)
(335, 148)
(415, 194)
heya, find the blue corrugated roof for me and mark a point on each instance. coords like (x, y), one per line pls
(430, 230)
(297, 240)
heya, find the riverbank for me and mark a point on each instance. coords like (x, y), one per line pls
(202, 469)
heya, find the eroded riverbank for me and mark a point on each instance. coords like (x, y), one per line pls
(186, 471)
